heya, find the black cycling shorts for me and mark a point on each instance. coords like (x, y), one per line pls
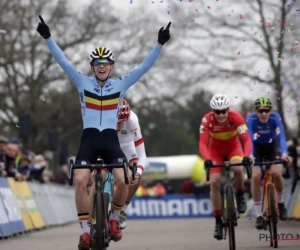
(95, 143)
(269, 152)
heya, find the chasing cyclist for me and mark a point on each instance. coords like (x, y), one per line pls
(264, 128)
(218, 140)
(132, 144)
(100, 99)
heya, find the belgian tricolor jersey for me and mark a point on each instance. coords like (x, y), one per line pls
(100, 105)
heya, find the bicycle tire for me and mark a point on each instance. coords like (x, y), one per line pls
(231, 216)
(98, 206)
(272, 216)
(106, 221)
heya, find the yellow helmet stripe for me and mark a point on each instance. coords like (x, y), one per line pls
(100, 51)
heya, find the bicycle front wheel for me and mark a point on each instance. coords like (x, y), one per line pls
(99, 211)
(230, 210)
(272, 216)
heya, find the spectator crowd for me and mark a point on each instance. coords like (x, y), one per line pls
(25, 165)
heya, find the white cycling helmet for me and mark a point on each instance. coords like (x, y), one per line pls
(219, 101)
(102, 52)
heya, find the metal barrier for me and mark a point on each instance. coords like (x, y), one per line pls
(26, 206)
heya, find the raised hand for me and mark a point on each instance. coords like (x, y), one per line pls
(164, 34)
(43, 29)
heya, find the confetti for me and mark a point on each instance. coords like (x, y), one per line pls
(239, 53)
(3, 31)
(241, 16)
(191, 1)
(17, 126)
(131, 1)
(208, 7)
(249, 218)
(270, 140)
(289, 110)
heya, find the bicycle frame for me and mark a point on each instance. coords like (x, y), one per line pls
(272, 209)
(268, 180)
(229, 183)
(108, 185)
(109, 182)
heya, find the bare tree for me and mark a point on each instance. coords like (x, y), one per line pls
(241, 41)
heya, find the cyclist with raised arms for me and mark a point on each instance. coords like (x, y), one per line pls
(219, 135)
(132, 144)
(100, 101)
(265, 127)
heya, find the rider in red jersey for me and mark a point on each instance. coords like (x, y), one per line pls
(219, 135)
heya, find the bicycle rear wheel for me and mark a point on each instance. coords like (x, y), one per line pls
(230, 215)
(272, 216)
(98, 226)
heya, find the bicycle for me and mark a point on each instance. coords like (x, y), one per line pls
(100, 229)
(229, 209)
(272, 210)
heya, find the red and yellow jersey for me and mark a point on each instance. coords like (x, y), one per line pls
(214, 136)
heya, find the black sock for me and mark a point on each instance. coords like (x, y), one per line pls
(240, 192)
(218, 219)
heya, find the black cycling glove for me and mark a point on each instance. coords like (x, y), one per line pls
(164, 34)
(208, 164)
(247, 161)
(43, 29)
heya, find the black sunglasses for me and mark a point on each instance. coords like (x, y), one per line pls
(263, 111)
(223, 111)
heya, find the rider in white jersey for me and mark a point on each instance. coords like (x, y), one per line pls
(132, 145)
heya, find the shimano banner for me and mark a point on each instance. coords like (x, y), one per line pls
(176, 206)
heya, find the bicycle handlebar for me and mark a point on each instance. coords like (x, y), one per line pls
(227, 164)
(99, 166)
(270, 163)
